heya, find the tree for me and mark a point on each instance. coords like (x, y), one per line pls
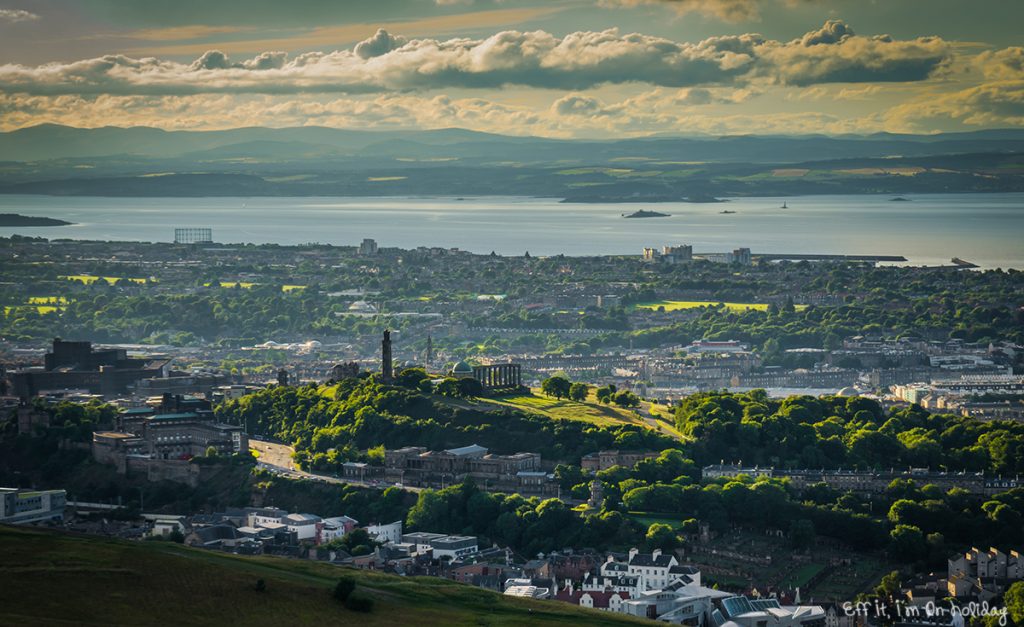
(605, 393)
(569, 475)
(556, 386)
(661, 536)
(907, 544)
(890, 585)
(448, 387)
(211, 451)
(578, 391)
(1014, 601)
(411, 377)
(429, 512)
(907, 512)
(469, 387)
(626, 398)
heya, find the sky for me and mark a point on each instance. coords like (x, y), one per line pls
(556, 68)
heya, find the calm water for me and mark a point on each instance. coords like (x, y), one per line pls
(987, 229)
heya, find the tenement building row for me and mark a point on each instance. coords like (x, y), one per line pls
(869, 481)
(417, 466)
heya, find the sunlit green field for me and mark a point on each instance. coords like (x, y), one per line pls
(40, 309)
(89, 279)
(679, 305)
(247, 285)
(601, 415)
(39, 304)
(647, 519)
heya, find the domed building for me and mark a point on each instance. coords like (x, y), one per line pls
(462, 370)
(362, 307)
(848, 391)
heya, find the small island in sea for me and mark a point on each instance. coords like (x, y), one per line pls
(14, 219)
(899, 199)
(643, 213)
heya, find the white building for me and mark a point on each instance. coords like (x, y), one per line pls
(18, 507)
(260, 516)
(390, 533)
(165, 526)
(421, 540)
(441, 545)
(304, 526)
(336, 527)
(454, 547)
(651, 569)
(692, 605)
(526, 590)
(740, 611)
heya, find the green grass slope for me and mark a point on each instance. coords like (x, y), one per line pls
(57, 579)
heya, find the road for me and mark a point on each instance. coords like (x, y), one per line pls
(278, 458)
(271, 454)
(644, 411)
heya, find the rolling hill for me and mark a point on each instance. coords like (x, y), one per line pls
(50, 578)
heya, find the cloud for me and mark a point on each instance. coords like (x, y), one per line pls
(833, 32)
(994, 104)
(382, 42)
(834, 54)
(575, 115)
(1007, 63)
(217, 60)
(17, 15)
(326, 37)
(580, 60)
(575, 104)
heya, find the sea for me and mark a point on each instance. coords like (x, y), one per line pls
(984, 229)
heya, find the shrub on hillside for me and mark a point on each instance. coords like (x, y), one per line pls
(344, 588)
(358, 602)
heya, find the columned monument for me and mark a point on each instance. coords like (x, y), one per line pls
(499, 376)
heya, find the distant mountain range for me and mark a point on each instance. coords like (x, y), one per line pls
(316, 161)
(52, 142)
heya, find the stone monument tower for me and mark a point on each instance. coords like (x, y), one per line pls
(386, 372)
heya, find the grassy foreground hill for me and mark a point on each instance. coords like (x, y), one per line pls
(58, 579)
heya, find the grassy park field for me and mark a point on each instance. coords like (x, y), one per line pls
(564, 409)
(56, 579)
(89, 279)
(682, 305)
